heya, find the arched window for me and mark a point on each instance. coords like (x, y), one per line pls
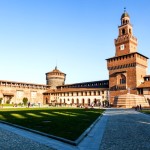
(89, 102)
(90, 93)
(123, 79)
(123, 21)
(83, 101)
(77, 101)
(95, 101)
(72, 101)
(85, 93)
(123, 31)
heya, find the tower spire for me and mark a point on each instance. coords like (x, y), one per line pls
(124, 9)
(56, 65)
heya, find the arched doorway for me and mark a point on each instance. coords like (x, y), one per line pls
(77, 102)
(83, 102)
(89, 102)
(46, 100)
(72, 101)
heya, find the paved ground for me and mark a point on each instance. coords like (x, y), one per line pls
(126, 130)
(118, 129)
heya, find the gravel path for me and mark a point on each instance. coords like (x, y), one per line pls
(126, 130)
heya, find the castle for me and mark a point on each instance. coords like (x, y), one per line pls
(128, 83)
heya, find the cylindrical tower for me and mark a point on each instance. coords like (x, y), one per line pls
(55, 78)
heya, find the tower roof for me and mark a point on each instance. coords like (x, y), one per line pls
(125, 14)
(55, 71)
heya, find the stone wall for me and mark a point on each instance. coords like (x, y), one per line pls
(14, 92)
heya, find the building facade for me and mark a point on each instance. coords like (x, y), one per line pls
(79, 94)
(55, 92)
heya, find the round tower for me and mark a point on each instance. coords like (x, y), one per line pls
(55, 78)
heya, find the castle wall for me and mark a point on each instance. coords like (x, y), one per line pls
(14, 92)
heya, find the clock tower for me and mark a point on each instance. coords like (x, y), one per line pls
(126, 42)
(128, 67)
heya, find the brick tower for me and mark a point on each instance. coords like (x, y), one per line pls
(128, 67)
(55, 78)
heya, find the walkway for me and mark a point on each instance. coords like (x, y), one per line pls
(118, 129)
(126, 130)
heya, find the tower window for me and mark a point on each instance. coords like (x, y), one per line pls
(123, 31)
(123, 21)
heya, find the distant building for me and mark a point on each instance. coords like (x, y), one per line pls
(55, 92)
(144, 88)
(78, 94)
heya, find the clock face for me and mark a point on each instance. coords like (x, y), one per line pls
(122, 47)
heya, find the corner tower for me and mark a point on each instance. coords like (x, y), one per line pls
(55, 78)
(128, 67)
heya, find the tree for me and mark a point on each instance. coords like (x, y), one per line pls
(25, 100)
(1, 100)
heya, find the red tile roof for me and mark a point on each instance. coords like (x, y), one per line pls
(145, 84)
(73, 90)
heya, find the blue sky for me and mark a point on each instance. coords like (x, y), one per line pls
(77, 35)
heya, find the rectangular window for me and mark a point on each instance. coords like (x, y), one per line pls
(19, 94)
(33, 94)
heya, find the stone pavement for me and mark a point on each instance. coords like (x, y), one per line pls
(126, 129)
(118, 129)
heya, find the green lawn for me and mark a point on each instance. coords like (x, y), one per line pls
(66, 123)
(147, 111)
